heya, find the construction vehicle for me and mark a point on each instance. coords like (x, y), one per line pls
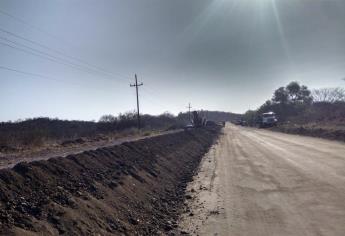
(268, 119)
(197, 121)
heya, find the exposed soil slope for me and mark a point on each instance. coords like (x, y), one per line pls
(70, 147)
(135, 188)
(335, 132)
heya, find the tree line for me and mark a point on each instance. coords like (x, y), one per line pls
(37, 131)
(297, 103)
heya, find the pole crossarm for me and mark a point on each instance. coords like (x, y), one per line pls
(136, 85)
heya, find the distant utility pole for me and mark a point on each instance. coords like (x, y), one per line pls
(189, 107)
(136, 85)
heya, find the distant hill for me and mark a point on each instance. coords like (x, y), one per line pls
(220, 115)
(216, 116)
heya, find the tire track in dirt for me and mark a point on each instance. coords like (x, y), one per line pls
(269, 183)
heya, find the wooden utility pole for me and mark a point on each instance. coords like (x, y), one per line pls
(136, 85)
(189, 107)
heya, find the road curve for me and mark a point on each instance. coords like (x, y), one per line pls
(258, 182)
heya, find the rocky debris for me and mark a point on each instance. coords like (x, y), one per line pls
(136, 188)
(7, 149)
(77, 141)
(214, 212)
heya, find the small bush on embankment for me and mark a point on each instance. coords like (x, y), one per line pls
(132, 189)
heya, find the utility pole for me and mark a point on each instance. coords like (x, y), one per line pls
(189, 107)
(136, 85)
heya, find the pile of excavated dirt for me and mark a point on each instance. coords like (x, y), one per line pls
(136, 188)
(331, 133)
(77, 141)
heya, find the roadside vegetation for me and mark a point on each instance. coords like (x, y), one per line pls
(38, 132)
(319, 113)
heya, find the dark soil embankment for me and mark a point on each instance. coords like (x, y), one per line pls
(332, 133)
(136, 188)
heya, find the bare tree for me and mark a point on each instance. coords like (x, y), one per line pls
(330, 95)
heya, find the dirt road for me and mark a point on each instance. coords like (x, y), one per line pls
(257, 182)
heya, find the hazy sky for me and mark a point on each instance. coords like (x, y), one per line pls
(217, 54)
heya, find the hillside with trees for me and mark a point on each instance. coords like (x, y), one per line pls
(217, 116)
(320, 112)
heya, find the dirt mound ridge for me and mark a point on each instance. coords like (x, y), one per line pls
(331, 133)
(135, 188)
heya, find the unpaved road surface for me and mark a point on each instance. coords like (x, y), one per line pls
(257, 182)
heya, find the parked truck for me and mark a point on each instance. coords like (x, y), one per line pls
(268, 119)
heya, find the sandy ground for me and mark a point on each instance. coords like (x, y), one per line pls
(258, 182)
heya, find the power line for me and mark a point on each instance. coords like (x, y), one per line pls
(41, 52)
(30, 25)
(153, 101)
(61, 61)
(63, 54)
(43, 77)
(38, 76)
(47, 56)
(151, 90)
(52, 36)
(50, 56)
(28, 73)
